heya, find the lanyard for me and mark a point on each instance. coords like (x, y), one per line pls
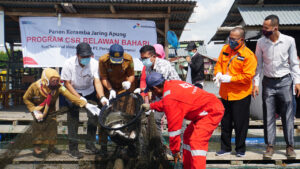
(230, 62)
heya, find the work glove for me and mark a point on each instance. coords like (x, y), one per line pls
(112, 94)
(104, 101)
(126, 85)
(148, 112)
(225, 79)
(146, 106)
(84, 99)
(38, 115)
(216, 79)
(93, 109)
(137, 91)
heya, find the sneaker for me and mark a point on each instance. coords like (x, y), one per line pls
(290, 153)
(240, 154)
(75, 154)
(222, 152)
(269, 152)
(54, 150)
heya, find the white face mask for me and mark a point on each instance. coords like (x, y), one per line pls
(147, 62)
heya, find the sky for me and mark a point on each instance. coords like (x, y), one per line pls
(207, 17)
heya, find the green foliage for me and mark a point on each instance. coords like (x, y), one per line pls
(3, 59)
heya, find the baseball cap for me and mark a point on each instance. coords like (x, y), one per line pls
(191, 46)
(84, 49)
(153, 79)
(116, 52)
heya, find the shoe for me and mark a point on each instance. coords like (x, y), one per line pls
(240, 154)
(75, 154)
(222, 152)
(269, 152)
(290, 153)
(54, 150)
(38, 155)
(92, 150)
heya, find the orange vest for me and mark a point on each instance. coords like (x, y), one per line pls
(242, 69)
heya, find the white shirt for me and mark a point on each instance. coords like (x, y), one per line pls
(165, 68)
(81, 78)
(277, 59)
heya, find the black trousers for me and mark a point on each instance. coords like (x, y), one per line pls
(73, 122)
(236, 117)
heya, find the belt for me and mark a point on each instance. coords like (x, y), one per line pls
(278, 78)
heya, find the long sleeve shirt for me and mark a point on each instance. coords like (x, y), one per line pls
(277, 59)
(180, 101)
(241, 66)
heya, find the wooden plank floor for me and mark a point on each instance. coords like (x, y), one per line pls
(26, 156)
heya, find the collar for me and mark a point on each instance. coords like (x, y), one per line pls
(280, 39)
(241, 49)
(157, 60)
(77, 62)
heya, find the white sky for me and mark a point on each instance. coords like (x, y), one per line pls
(208, 16)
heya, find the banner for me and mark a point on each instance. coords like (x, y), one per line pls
(49, 41)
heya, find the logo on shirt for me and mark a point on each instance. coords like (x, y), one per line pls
(241, 58)
(185, 85)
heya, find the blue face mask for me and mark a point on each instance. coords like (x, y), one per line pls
(85, 61)
(147, 62)
(191, 53)
(233, 44)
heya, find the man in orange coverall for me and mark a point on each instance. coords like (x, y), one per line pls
(181, 100)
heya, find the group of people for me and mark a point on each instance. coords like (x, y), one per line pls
(236, 70)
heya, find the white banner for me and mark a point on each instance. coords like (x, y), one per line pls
(48, 42)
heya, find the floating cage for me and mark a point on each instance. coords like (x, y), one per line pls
(122, 118)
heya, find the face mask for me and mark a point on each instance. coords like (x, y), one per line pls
(267, 34)
(233, 44)
(191, 53)
(85, 61)
(147, 62)
(53, 87)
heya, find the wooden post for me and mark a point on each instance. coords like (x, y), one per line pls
(57, 101)
(166, 41)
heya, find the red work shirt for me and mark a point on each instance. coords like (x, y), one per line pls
(180, 101)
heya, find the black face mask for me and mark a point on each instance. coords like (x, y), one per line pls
(53, 87)
(267, 34)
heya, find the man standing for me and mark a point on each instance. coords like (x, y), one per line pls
(81, 78)
(181, 100)
(152, 63)
(277, 57)
(116, 70)
(196, 65)
(235, 69)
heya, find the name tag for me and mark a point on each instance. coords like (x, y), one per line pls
(241, 58)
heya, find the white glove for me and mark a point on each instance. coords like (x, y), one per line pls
(126, 85)
(225, 78)
(38, 115)
(112, 94)
(146, 106)
(104, 101)
(148, 112)
(216, 79)
(93, 109)
(84, 99)
(137, 91)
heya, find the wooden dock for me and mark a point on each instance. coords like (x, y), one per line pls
(16, 121)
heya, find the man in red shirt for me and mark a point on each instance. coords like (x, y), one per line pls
(181, 100)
